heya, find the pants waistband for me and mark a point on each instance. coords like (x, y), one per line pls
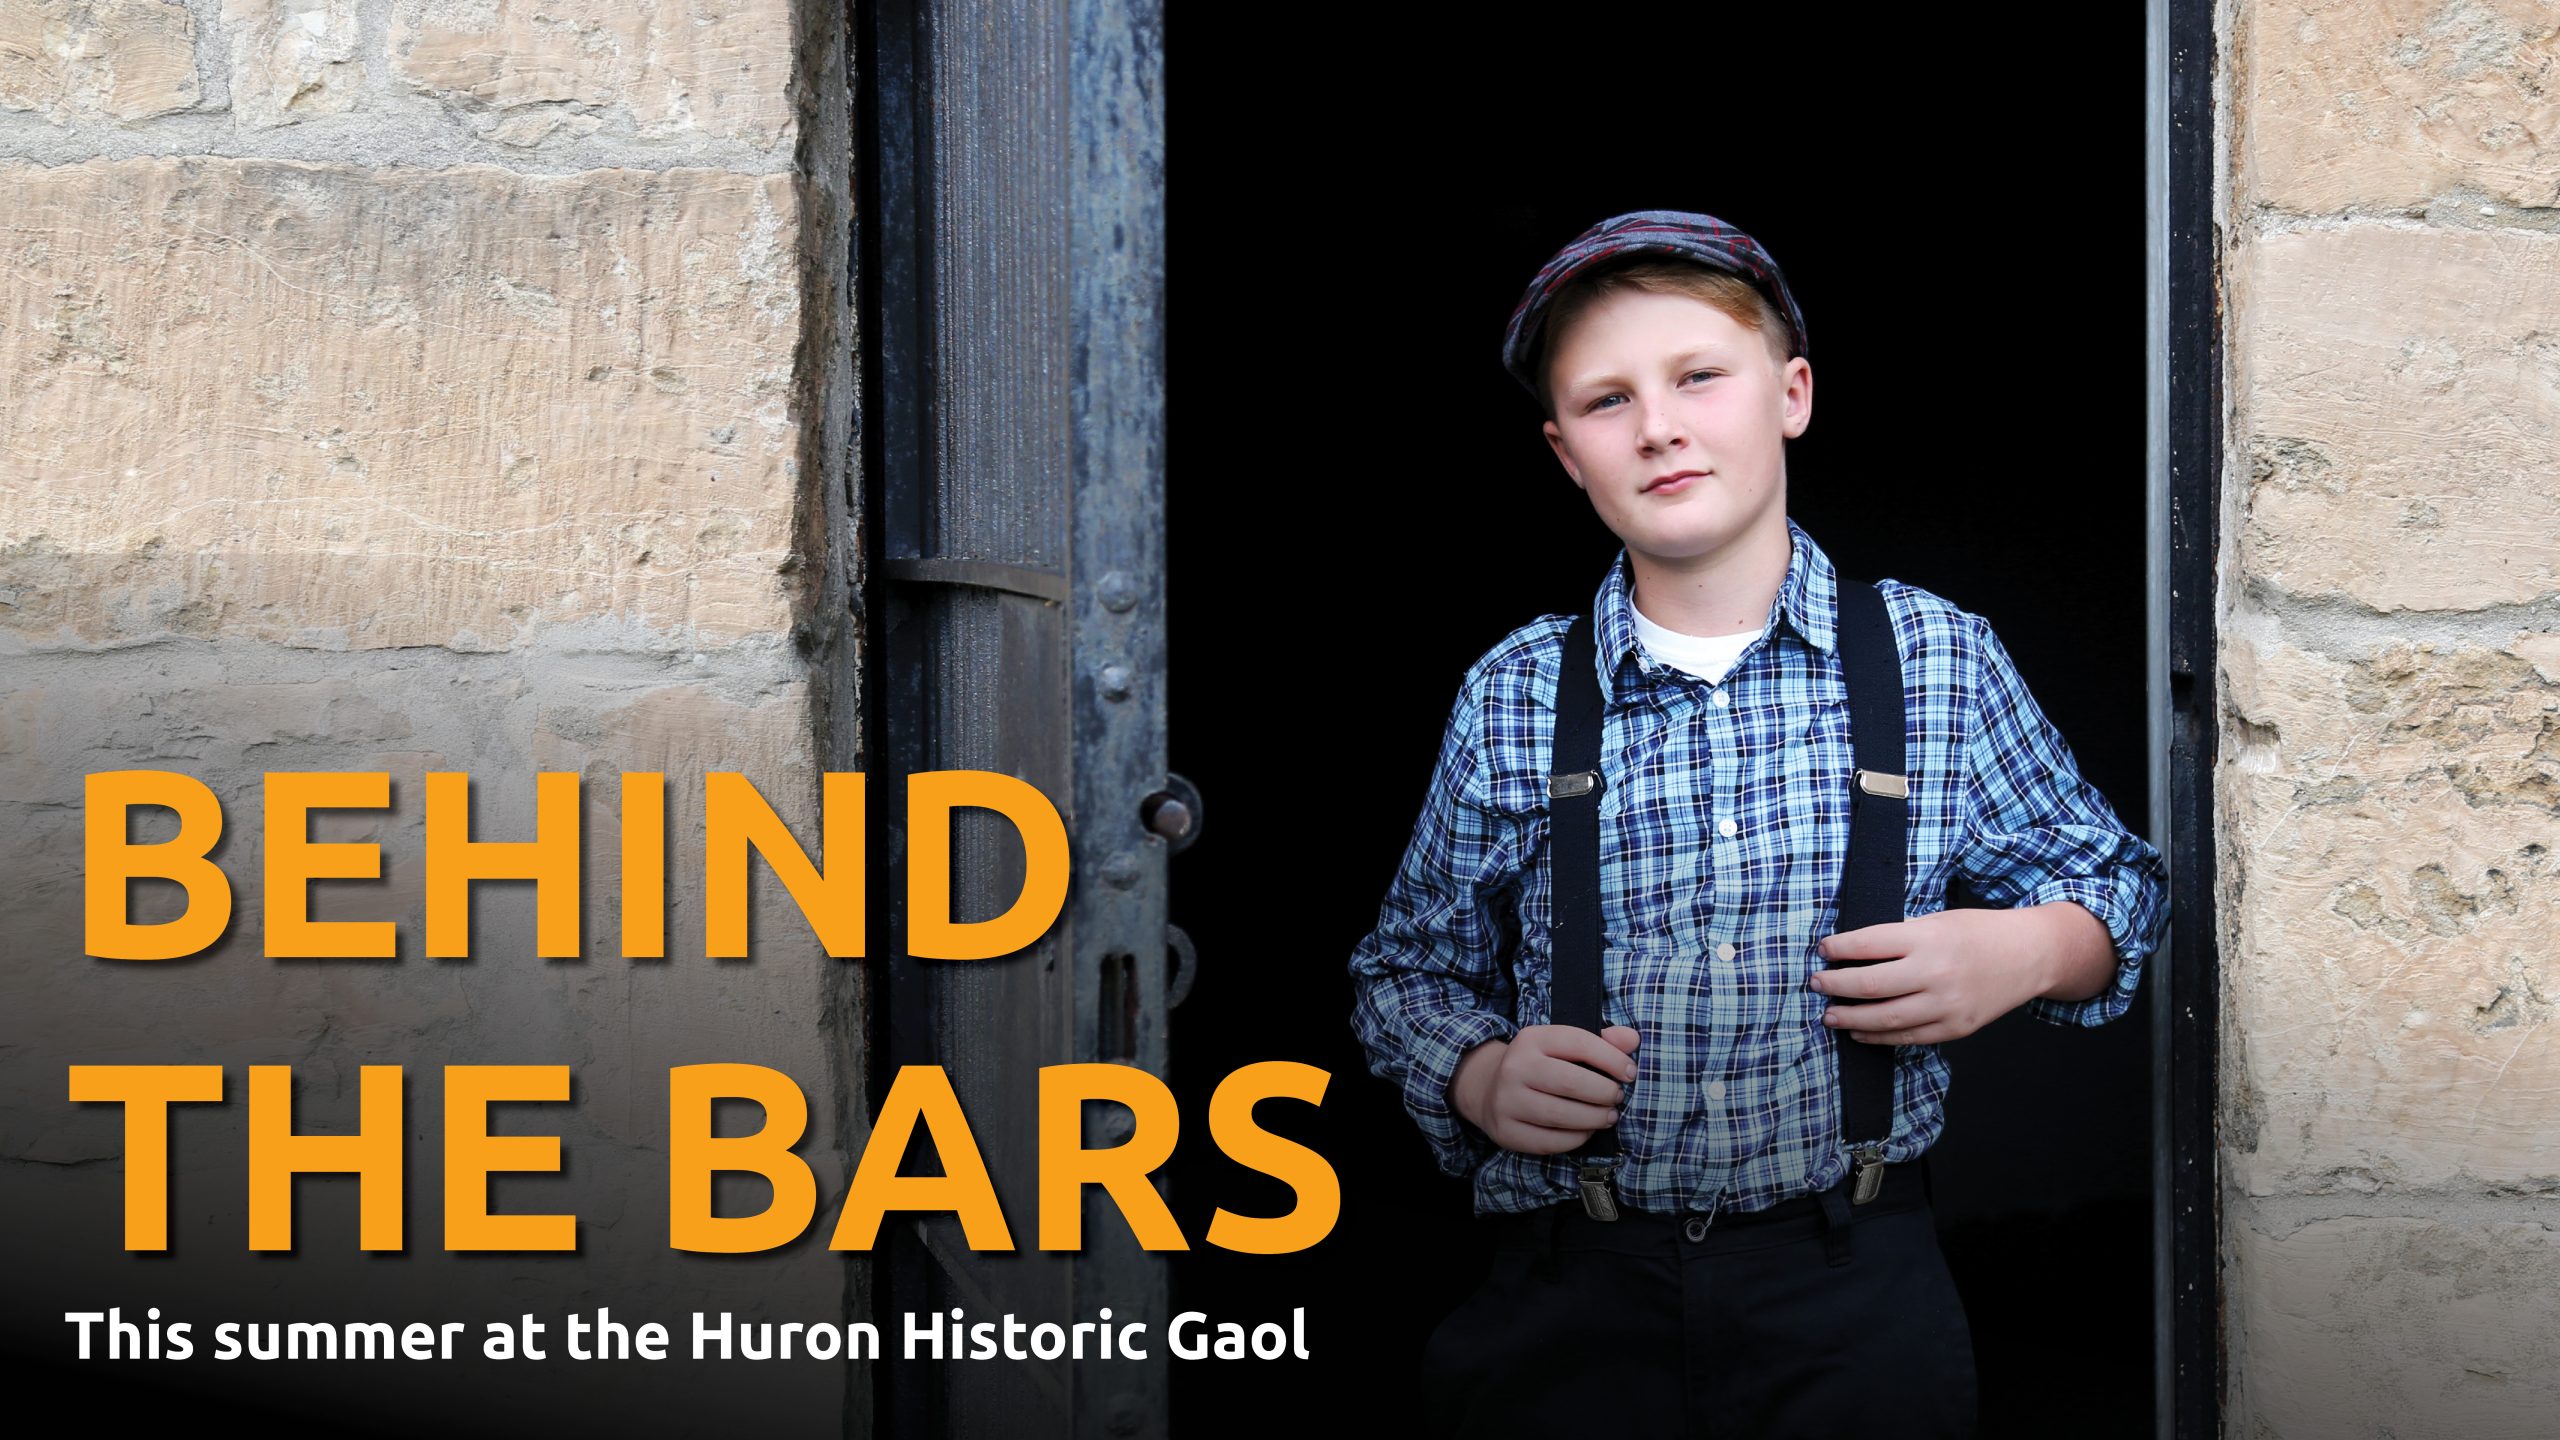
(1566, 1223)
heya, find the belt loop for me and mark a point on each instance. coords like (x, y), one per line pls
(1835, 1225)
(1542, 1226)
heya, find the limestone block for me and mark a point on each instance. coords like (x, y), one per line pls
(2398, 394)
(84, 60)
(2393, 103)
(228, 710)
(2395, 1327)
(346, 408)
(292, 59)
(662, 69)
(2390, 982)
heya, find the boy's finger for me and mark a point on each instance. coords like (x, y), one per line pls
(1571, 1043)
(1562, 1114)
(1867, 982)
(1558, 1076)
(1868, 942)
(1886, 1015)
(1624, 1037)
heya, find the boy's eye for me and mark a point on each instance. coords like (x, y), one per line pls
(1694, 374)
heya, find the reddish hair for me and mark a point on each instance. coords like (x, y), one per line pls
(1661, 275)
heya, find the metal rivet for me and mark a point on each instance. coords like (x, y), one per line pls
(1121, 873)
(1696, 1230)
(1168, 817)
(1173, 813)
(1116, 682)
(1119, 592)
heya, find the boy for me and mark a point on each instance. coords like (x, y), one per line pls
(1690, 1242)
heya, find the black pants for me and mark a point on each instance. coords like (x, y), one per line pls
(1653, 1327)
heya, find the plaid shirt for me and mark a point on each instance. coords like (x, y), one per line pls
(1724, 826)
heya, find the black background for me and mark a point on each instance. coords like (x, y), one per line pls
(1360, 504)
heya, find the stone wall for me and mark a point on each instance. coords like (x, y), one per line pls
(418, 385)
(2391, 744)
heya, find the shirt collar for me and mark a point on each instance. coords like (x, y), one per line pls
(1807, 606)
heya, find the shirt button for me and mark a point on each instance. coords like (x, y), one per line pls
(1715, 1089)
(1696, 1229)
(1725, 951)
(1722, 699)
(1726, 828)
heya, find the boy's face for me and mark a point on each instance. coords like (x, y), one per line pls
(1672, 416)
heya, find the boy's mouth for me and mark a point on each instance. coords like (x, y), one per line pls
(1672, 483)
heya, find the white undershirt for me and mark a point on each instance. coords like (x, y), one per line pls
(1705, 656)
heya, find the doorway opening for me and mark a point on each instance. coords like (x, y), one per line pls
(1361, 505)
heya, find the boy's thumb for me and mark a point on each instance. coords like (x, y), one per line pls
(1622, 1037)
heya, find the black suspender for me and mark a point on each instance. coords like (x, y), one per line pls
(1879, 843)
(1871, 878)
(1573, 831)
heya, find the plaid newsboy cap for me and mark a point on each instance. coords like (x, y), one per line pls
(1702, 238)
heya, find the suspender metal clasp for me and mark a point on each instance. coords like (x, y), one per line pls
(1869, 1173)
(1579, 782)
(1598, 1200)
(1877, 783)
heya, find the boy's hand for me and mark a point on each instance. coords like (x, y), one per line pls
(1543, 1091)
(1943, 976)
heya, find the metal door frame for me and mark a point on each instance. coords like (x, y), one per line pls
(2182, 238)
(1105, 60)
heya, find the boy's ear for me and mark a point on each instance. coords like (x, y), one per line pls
(1555, 442)
(1796, 397)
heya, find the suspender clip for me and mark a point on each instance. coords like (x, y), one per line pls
(1897, 787)
(1598, 1201)
(1869, 1173)
(1565, 787)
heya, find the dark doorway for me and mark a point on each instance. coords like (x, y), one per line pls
(1359, 505)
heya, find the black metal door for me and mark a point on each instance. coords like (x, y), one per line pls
(1010, 281)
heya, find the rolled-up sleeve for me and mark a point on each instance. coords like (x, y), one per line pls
(1428, 981)
(2035, 831)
